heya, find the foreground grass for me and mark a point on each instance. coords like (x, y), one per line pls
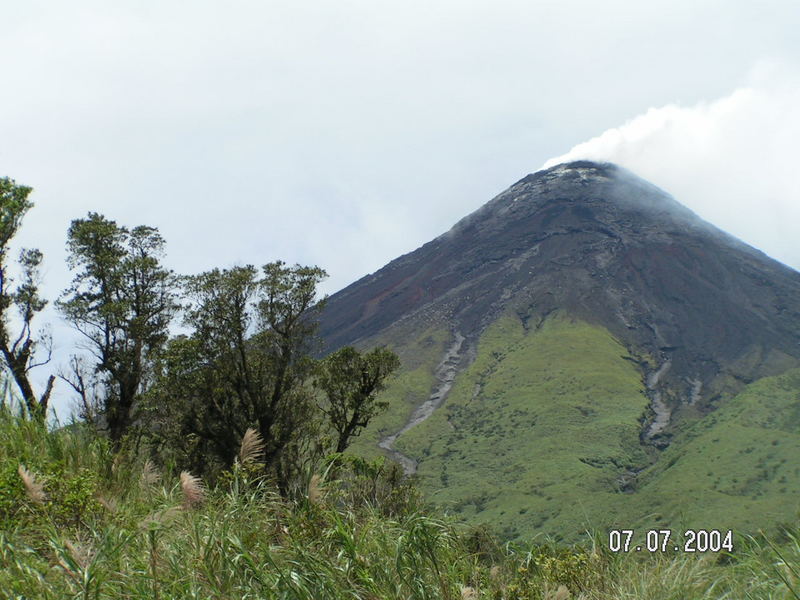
(76, 522)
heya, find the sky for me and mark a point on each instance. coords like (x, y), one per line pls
(344, 134)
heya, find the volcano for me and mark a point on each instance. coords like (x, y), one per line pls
(585, 307)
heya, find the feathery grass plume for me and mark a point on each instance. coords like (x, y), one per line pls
(82, 556)
(110, 504)
(314, 489)
(193, 491)
(252, 448)
(160, 518)
(150, 475)
(468, 593)
(33, 488)
(562, 593)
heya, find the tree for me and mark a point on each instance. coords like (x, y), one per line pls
(83, 378)
(287, 324)
(19, 351)
(189, 424)
(351, 382)
(212, 383)
(122, 301)
(250, 349)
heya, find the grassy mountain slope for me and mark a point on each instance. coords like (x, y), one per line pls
(540, 424)
(537, 418)
(540, 434)
(408, 389)
(737, 467)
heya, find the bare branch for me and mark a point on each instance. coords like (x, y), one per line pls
(85, 385)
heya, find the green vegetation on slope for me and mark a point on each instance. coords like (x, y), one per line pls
(536, 433)
(541, 435)
(406, 390)
(737, 467)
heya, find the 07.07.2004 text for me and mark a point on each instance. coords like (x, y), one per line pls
(663, 540)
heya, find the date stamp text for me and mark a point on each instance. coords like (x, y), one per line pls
(665, 540)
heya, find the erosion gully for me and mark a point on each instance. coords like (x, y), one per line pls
(445, 374)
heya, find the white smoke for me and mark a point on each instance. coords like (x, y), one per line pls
(734, 161)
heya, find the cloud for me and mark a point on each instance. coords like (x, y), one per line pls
(733, 161)
(339, 134)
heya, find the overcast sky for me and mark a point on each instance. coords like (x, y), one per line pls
(346, 133)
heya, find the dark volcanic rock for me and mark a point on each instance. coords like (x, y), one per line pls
(601, 244)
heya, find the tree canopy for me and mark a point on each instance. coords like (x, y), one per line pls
(351, 382)
(121, 300)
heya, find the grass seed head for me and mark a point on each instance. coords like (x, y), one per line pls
(80, 554)
(562, 593)
(110, 504)
(468, 593)
(33, 488)
(150, 475)
(314, 489)
(193, 491)
(252, 448)
(159, 519)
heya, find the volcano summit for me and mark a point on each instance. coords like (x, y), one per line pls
(571, 338)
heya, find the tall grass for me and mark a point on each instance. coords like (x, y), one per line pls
(118, 527)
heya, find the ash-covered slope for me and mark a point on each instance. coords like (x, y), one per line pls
(705, 311)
